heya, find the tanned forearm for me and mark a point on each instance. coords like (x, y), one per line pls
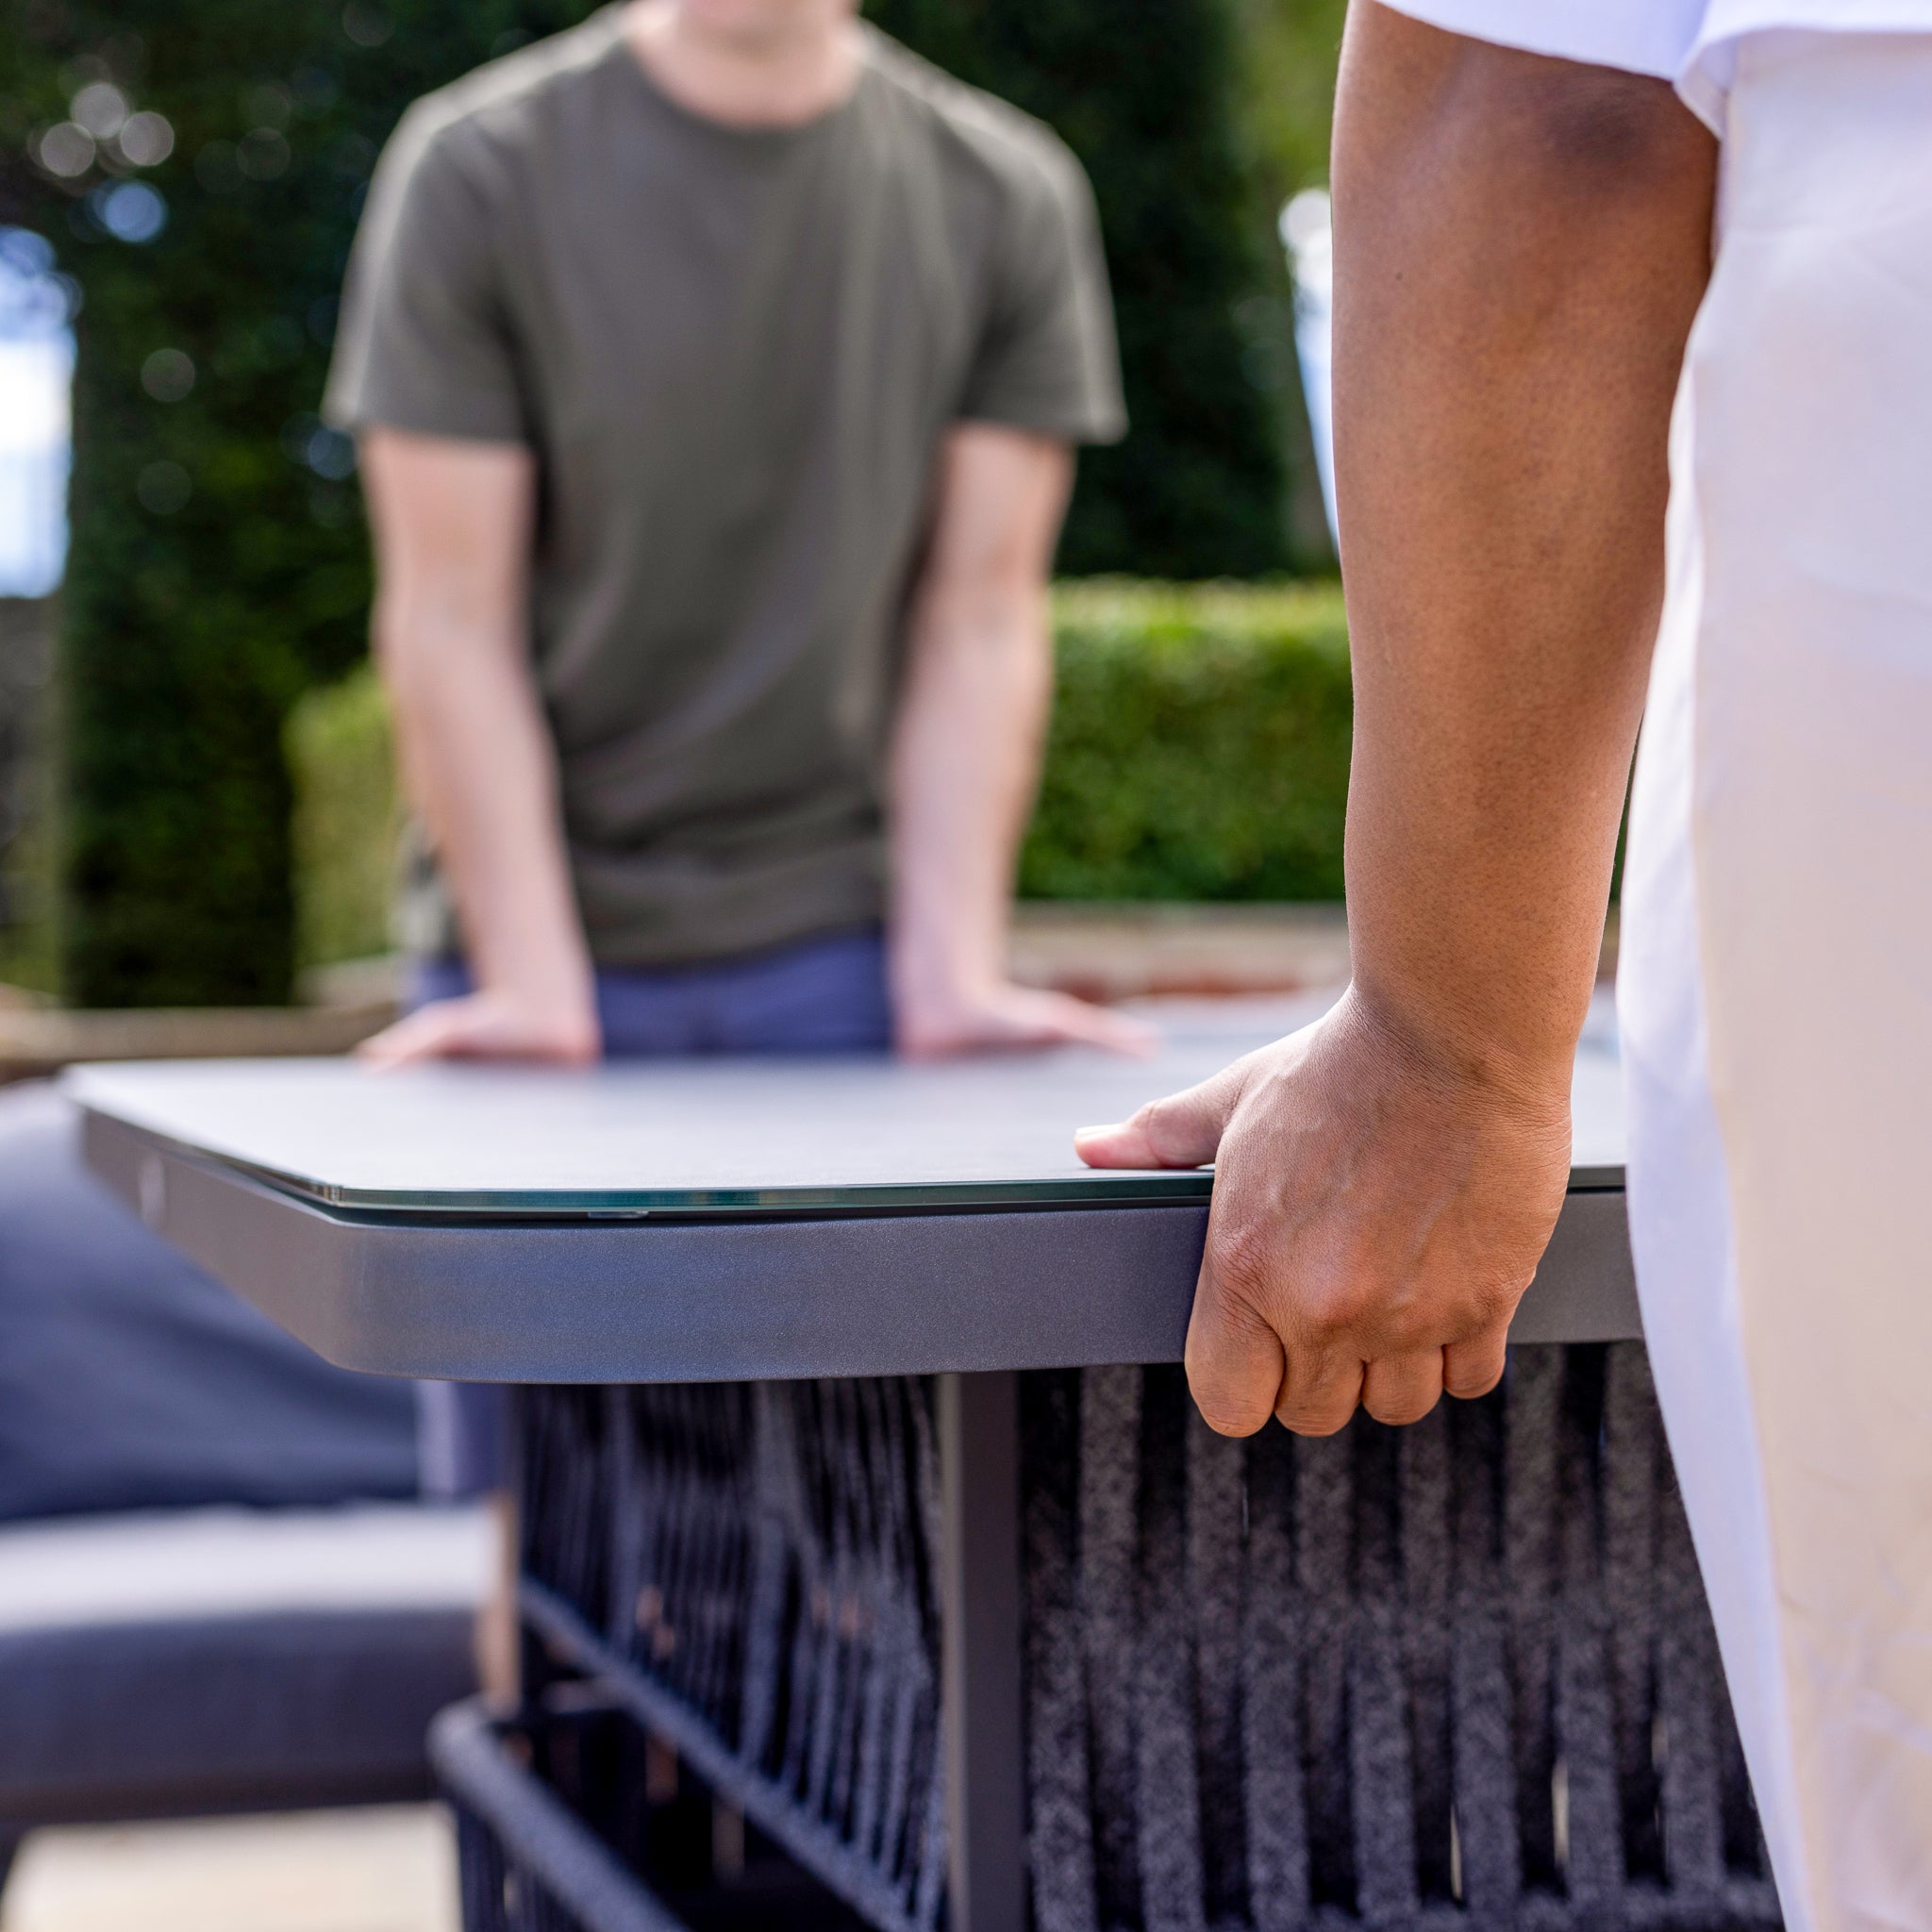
(1521, 245)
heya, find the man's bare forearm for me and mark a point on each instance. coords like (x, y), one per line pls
(452, 524)
(1521, 245)
(966, 748)
(481, 770)
(966, 758)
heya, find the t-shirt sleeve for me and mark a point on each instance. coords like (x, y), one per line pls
(1652, 37)
(423, 343)
(1047, 360)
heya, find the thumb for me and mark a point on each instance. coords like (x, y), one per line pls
(1183, 1130)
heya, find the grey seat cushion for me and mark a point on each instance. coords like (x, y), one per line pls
(130, 1380)
(230, 1659)
(266, 1714)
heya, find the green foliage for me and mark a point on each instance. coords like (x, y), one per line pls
(348, 817)
(1199, 751)
(1199, 747)
(219, 562)
(219, 559)
(1289, 52)
(26, 896)
(1147, 96)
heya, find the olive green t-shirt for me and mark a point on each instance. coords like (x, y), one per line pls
(735, 352)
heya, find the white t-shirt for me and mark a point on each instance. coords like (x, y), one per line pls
(1691, 43)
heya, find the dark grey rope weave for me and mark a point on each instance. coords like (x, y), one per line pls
(750, 1568)
(1461, 1674)
(524, 1864)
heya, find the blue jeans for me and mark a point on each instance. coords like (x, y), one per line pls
(819, 995)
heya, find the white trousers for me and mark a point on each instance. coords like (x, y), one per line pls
(1775, 994)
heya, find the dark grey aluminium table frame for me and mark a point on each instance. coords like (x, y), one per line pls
(973, 1293)
(747, 1296)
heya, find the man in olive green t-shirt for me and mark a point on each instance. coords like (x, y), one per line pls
(716, 367)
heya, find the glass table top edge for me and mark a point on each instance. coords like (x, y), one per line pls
(1100, 1188)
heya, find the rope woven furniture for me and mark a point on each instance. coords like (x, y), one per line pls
(1460, 1673)
(858, 1471)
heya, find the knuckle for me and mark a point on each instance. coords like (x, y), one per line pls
(1493, 1301)
(1233, 1367)
(1399, 1412)
(1404, 1327)
(1168, 1128)
(1226, 1419)
(1466, 1381)
(1309, 1419)
(1243, 1258)
(1347, 1304)
(1151, 1120)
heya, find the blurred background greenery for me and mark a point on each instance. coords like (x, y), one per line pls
(199, 172)
(1199, 751)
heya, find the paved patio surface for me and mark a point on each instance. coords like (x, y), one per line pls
(387, 1869)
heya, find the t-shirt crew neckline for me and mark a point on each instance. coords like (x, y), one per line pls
(767, 136)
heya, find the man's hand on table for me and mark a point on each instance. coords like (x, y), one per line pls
(933, 1025)
(454, 522)
(1379, 1207)
(966, 751)
(491, 1025)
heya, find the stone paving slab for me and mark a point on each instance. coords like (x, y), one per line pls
(385, 1868)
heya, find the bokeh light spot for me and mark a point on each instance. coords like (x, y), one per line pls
(330, 453)
(130, 211)
(168, 374)
(267, 105)
(65, 150)
(102, 108)
(147, 139)
(366, 23)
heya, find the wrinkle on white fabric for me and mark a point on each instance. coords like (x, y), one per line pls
(1680, 1201)
(1777, 981)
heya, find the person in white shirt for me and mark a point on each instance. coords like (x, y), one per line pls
(1580, 245)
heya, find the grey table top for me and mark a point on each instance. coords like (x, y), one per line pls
(652, 1200)
(688, 1137)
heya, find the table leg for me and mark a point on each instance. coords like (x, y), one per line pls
(985, 1764)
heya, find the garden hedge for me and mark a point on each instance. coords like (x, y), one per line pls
(1199, 749)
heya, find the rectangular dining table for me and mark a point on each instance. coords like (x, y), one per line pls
(853, 1365)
